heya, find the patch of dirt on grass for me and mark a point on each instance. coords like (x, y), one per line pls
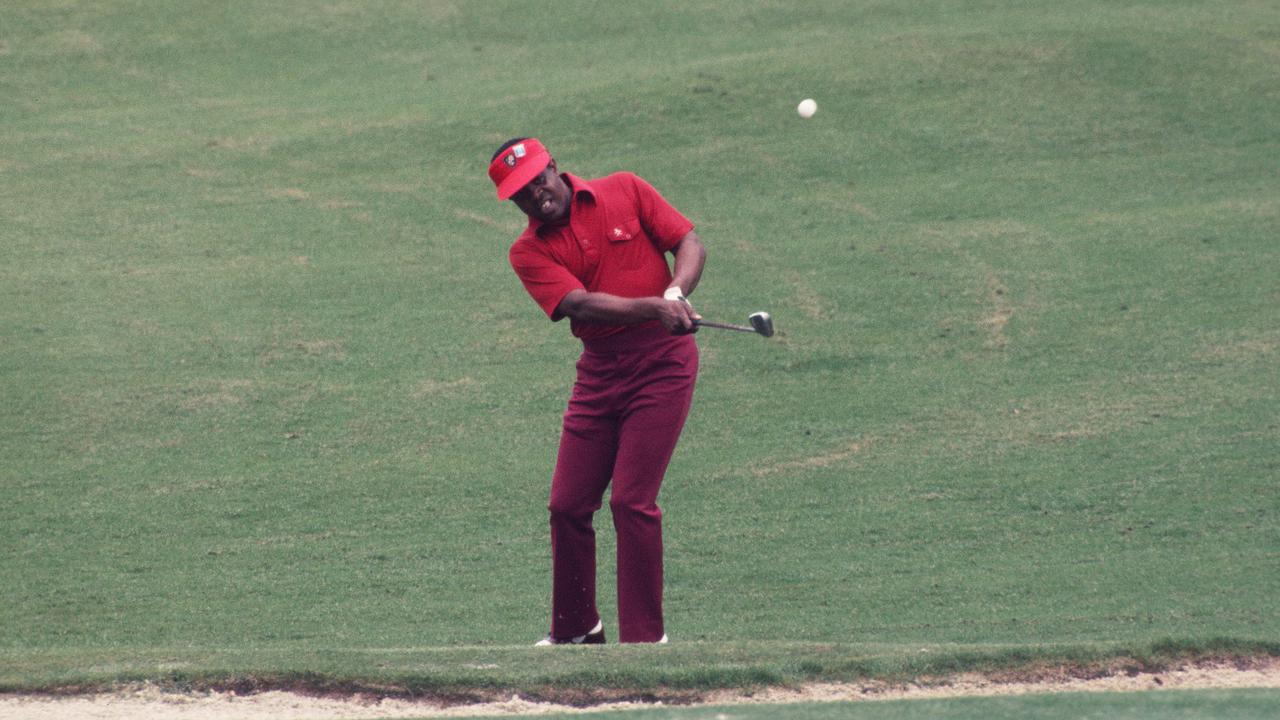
(504, 225)
(428, 388)
(296, 194)
(293, 349)
(74, 41)
(829, 459)
(1002, 312)
(223, 393)
(150, 702)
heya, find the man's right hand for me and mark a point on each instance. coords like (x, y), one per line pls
(678, 317)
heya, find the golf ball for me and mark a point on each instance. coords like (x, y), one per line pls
(807, 108)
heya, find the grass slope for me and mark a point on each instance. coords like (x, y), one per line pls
(274, 404)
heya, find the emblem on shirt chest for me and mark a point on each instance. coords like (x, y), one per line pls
(620, 234)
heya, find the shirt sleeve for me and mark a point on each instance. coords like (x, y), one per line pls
(546, 280)
(665, 225)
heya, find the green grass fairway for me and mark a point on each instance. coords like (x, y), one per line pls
(274, 410)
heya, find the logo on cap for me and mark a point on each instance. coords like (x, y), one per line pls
(509, 160)
(518, 150)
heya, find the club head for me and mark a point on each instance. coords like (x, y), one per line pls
(762, 322)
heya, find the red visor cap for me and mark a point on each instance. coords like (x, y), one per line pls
(517, 165)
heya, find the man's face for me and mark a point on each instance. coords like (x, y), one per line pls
(546, 197)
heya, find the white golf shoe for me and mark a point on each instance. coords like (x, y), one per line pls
(594, 637)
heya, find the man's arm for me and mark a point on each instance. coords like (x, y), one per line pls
(690, 255)
(597, 307)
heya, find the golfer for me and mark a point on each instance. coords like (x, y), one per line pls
(595, 252)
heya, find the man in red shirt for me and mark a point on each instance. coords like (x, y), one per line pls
(595, 252)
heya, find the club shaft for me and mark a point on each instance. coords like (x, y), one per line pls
(725, 326)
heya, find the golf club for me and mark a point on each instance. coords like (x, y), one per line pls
(761, 322)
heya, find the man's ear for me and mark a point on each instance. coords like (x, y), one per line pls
(552, 164)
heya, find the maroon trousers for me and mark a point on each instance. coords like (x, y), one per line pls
(628, 407)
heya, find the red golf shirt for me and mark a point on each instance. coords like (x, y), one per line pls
(615, 241)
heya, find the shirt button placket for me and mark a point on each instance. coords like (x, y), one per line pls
(589, 250)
